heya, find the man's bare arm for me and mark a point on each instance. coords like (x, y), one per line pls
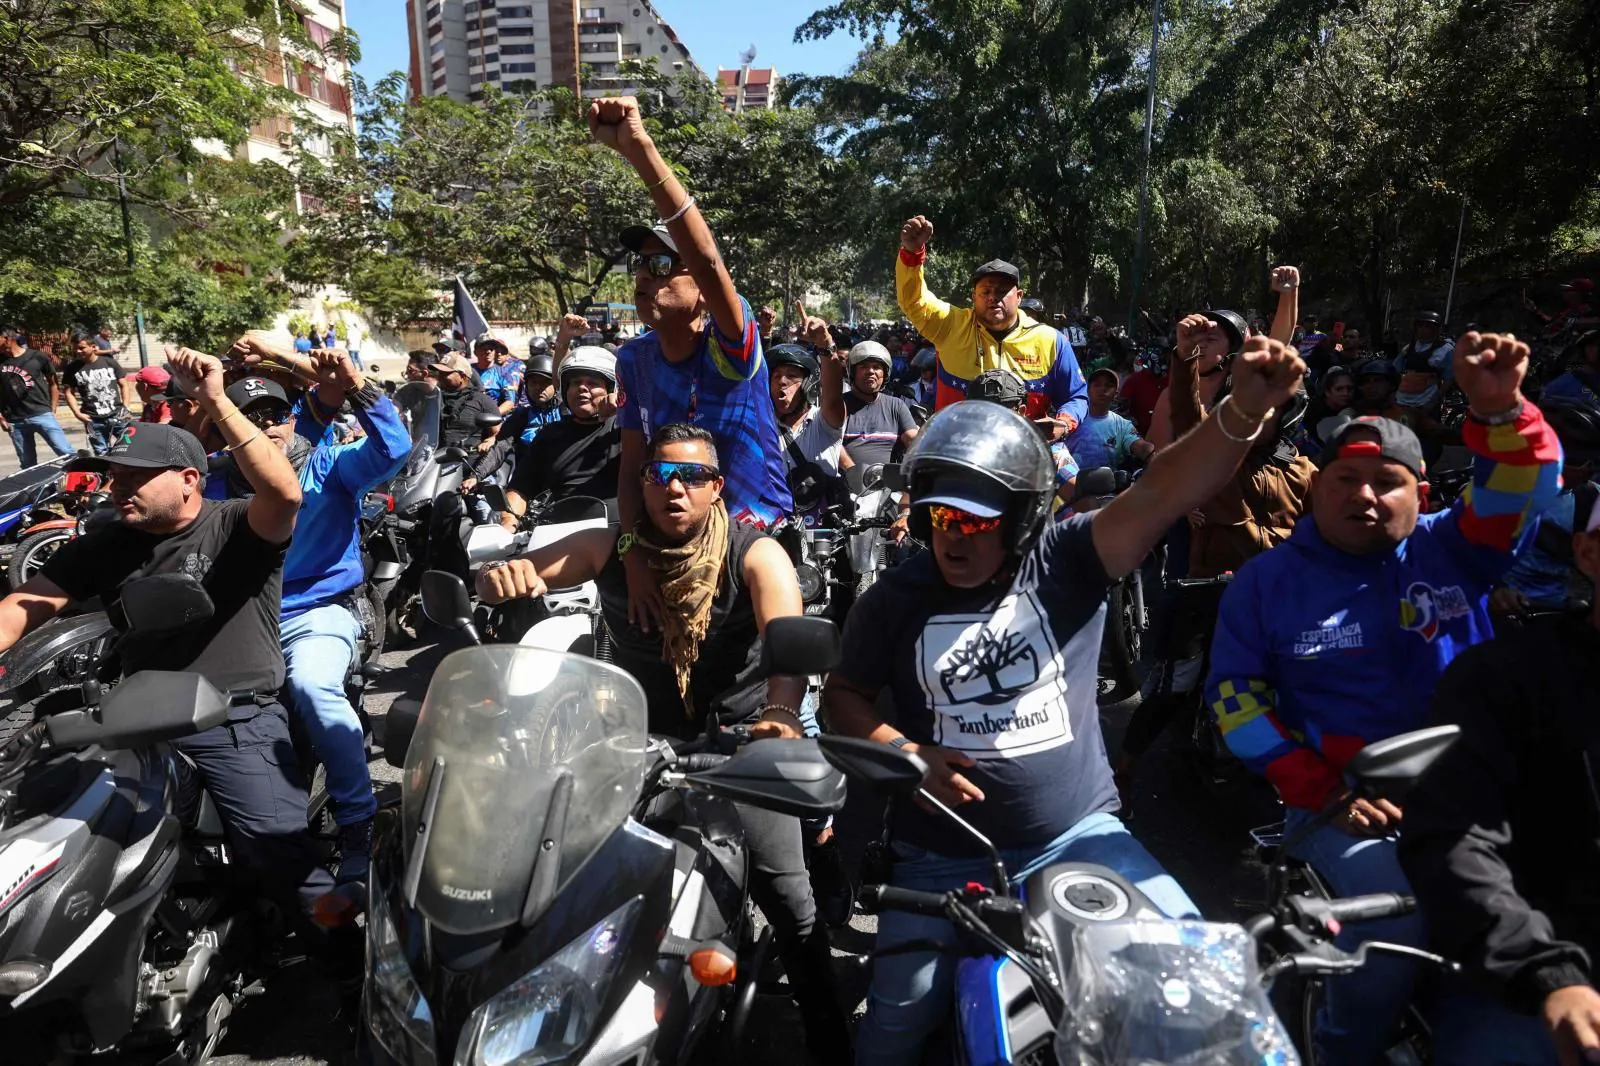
(34, 603)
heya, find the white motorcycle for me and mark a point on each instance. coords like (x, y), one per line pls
(562, 619)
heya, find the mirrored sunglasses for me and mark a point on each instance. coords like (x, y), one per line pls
(692, 475)
(946, 518)
(656, 264)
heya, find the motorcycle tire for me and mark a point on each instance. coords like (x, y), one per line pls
(17, 717)
(34, 551)
(1122, 645)
(380, 620)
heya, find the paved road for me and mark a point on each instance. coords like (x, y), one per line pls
(1198, 832)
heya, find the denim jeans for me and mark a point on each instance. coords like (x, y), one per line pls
(1473, 1030)
(1361, 1010)
(103, 432)
(24, 430)
(911, 994)
(318, 647)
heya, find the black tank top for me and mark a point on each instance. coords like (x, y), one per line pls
(725, 676)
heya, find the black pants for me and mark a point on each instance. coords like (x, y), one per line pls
(250, 771)
(1191, 619)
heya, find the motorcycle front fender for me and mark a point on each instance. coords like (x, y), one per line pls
(55, 523)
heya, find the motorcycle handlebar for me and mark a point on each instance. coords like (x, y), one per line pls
(1202, 582)
(704, 761)
(1370, 908)
(878, 898)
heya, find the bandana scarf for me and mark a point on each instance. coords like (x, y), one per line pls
(688, 574)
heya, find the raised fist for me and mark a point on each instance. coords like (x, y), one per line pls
(616, 123)
(915, 234)
(1193, 332)
(1285, 278)
(515, 580)
(1490, 367)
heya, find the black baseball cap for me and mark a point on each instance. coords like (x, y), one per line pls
(997, 266)
(149, 445)
(1395, 442)
(253, 392)
(633, 238)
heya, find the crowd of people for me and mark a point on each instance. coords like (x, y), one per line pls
(1294, 461)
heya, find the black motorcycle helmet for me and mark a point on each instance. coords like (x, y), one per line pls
(540, 364)
(795, 356)
(1577, 426)
(999, 386)
(985, 453)
(1233, 325)
(1378, 368)
(1034, 308)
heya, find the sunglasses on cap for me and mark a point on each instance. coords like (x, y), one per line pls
(946, 518)
(656, 264)
(693, 475)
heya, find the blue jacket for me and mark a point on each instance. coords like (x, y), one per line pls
(324, 560)
(1319, 652)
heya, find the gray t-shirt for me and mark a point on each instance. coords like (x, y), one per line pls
(1006, 676)
(871, 430)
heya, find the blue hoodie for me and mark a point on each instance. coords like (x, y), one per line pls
(324, 560)
(1319, 652)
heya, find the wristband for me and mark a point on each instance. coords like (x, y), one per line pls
(900, 742)
(364, 397)
(230, 449)
(1504, 418)
(625, 544)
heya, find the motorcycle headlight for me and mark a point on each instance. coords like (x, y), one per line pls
(811, 584)
(397, 1014)
(550, 1014)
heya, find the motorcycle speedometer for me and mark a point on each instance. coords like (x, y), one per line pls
(812, 585)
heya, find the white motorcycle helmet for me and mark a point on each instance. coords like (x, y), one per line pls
(870, 352)
(590, 359)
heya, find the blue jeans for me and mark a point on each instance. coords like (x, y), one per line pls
(1473, 1030)
(911, 994)
(318, 647)
(24, 430)
(355, 357)
(1361, 1010)
(103, 432)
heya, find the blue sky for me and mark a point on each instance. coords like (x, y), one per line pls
(716, 31)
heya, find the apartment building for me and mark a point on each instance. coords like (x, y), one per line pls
(321, 81)
(461, 47)
(744, 88)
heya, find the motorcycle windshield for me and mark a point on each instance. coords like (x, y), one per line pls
(540, 755)
(46, 644)
(419, 406)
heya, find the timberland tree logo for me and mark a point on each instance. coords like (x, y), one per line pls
(995, 681)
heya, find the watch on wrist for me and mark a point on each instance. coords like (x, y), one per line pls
(900, 742)
(625, 544)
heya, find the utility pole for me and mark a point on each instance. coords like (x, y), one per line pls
(1461, 226)
(127, 240)
(1144, 180)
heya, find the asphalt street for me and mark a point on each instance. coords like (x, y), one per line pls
(1199, 832)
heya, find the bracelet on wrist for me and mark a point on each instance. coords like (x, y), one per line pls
(769, 709)
(1504, 418)
(1233, 404)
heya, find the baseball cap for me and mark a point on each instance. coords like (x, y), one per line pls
(452, 361)
(1105, 371)
(489, 340)
(633, 238)
(1395, 442)
(252, 392)
(154, 376)
(149, 445)
(986, 499)
(997, 266)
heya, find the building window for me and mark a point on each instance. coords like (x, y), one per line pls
(476, 79)
(433, 12)
(437, 48)
(516, 31)
(518, 68)
(649, 31)
(663, 49)
(632, 49)
(475, 95)
(438, 64)
(470, 7)
(492, 57)
(488, 39)
(636, 12)
(518, 49)
(517, 12)
(594, 13)
(590, 47)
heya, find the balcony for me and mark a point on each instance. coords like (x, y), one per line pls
(336, 6)
(276, 129)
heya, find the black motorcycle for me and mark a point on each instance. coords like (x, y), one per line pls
(120, 927)
(559, 886)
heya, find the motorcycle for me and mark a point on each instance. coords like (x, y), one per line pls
(40, 509)
(612, 924)
(1083, 969)
(1127, 613)
(119, 929)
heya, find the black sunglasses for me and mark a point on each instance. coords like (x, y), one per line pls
(656, 264)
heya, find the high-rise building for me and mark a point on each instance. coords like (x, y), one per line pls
(744, 88)
(460, 47)
(321, 80)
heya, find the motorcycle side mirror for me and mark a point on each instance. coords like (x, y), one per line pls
(446, 602)
(1099, 481)
(892, 477)
(399, 726)
(488, 421)
(162, 603)
(799, 646)
(786, 776)
(1386, 769)
(149, 707)
(884, 768)
(451, 455)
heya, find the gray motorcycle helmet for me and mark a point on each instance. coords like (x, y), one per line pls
(981, 457)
